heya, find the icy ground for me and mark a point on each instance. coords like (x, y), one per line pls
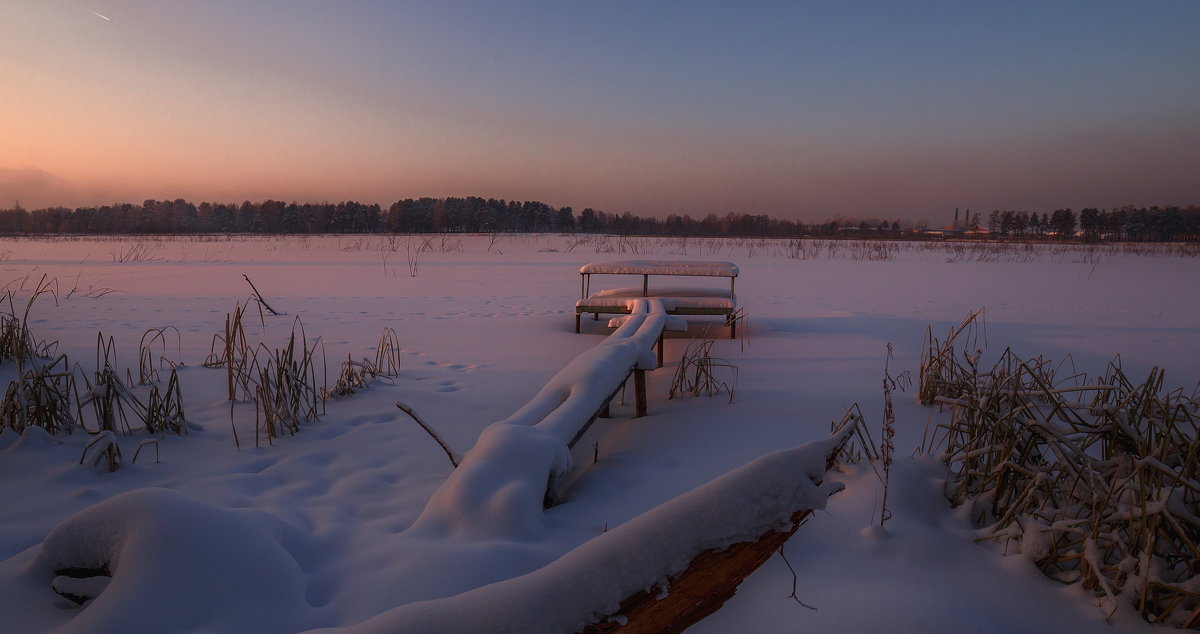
(313, 531)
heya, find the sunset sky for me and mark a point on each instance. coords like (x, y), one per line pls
(795, 109)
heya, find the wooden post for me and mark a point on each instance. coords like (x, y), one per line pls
(576, 323)
(639, 390)
(732, 322)
(660, 350)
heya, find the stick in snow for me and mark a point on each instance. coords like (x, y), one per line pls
(258, 296)
(454, 456)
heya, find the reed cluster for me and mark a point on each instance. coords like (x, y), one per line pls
(1096, 480)
(57, 396)
(699, 372)
(286, 391)
(288, 386)
(357, 375)
(107, 405)
(282, 383)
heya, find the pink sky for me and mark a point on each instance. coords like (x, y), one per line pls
(796, 114)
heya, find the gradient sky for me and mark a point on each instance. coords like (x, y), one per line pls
(795, 109)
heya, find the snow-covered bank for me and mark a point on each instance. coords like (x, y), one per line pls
(483, 332)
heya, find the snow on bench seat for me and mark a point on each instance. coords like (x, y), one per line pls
(673, 299)
(673, 292)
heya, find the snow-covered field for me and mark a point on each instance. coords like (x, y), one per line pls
(314, 532)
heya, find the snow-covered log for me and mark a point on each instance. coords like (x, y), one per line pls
(697, 548)
(503, 483)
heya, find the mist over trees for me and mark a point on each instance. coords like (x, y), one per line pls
(473, 214)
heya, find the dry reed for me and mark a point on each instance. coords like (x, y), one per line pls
(152, 341)
(40, 397)
(233, 352)
(17, 343)
(287, 392)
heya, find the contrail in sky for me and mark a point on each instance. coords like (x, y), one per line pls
(101, 15)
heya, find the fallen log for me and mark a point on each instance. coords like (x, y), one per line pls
(710, 580)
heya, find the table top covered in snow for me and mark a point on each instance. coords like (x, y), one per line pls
(705, 268)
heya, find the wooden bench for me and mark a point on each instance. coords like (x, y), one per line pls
(677, 300)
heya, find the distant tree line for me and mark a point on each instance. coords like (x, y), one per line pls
(473, 214)
(1131, 224)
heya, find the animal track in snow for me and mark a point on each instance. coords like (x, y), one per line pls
(457, 367)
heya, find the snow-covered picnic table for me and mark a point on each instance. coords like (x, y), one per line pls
(677, 300)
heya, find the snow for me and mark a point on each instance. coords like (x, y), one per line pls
(164, 551)
(702, 268)
(344, 525)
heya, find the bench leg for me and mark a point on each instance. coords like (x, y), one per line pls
(660, 351)
(639, 390)
(576, 323)
(733, 329)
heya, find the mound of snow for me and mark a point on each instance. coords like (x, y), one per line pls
(175, 563)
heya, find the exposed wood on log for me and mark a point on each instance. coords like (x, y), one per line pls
(708, 582)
